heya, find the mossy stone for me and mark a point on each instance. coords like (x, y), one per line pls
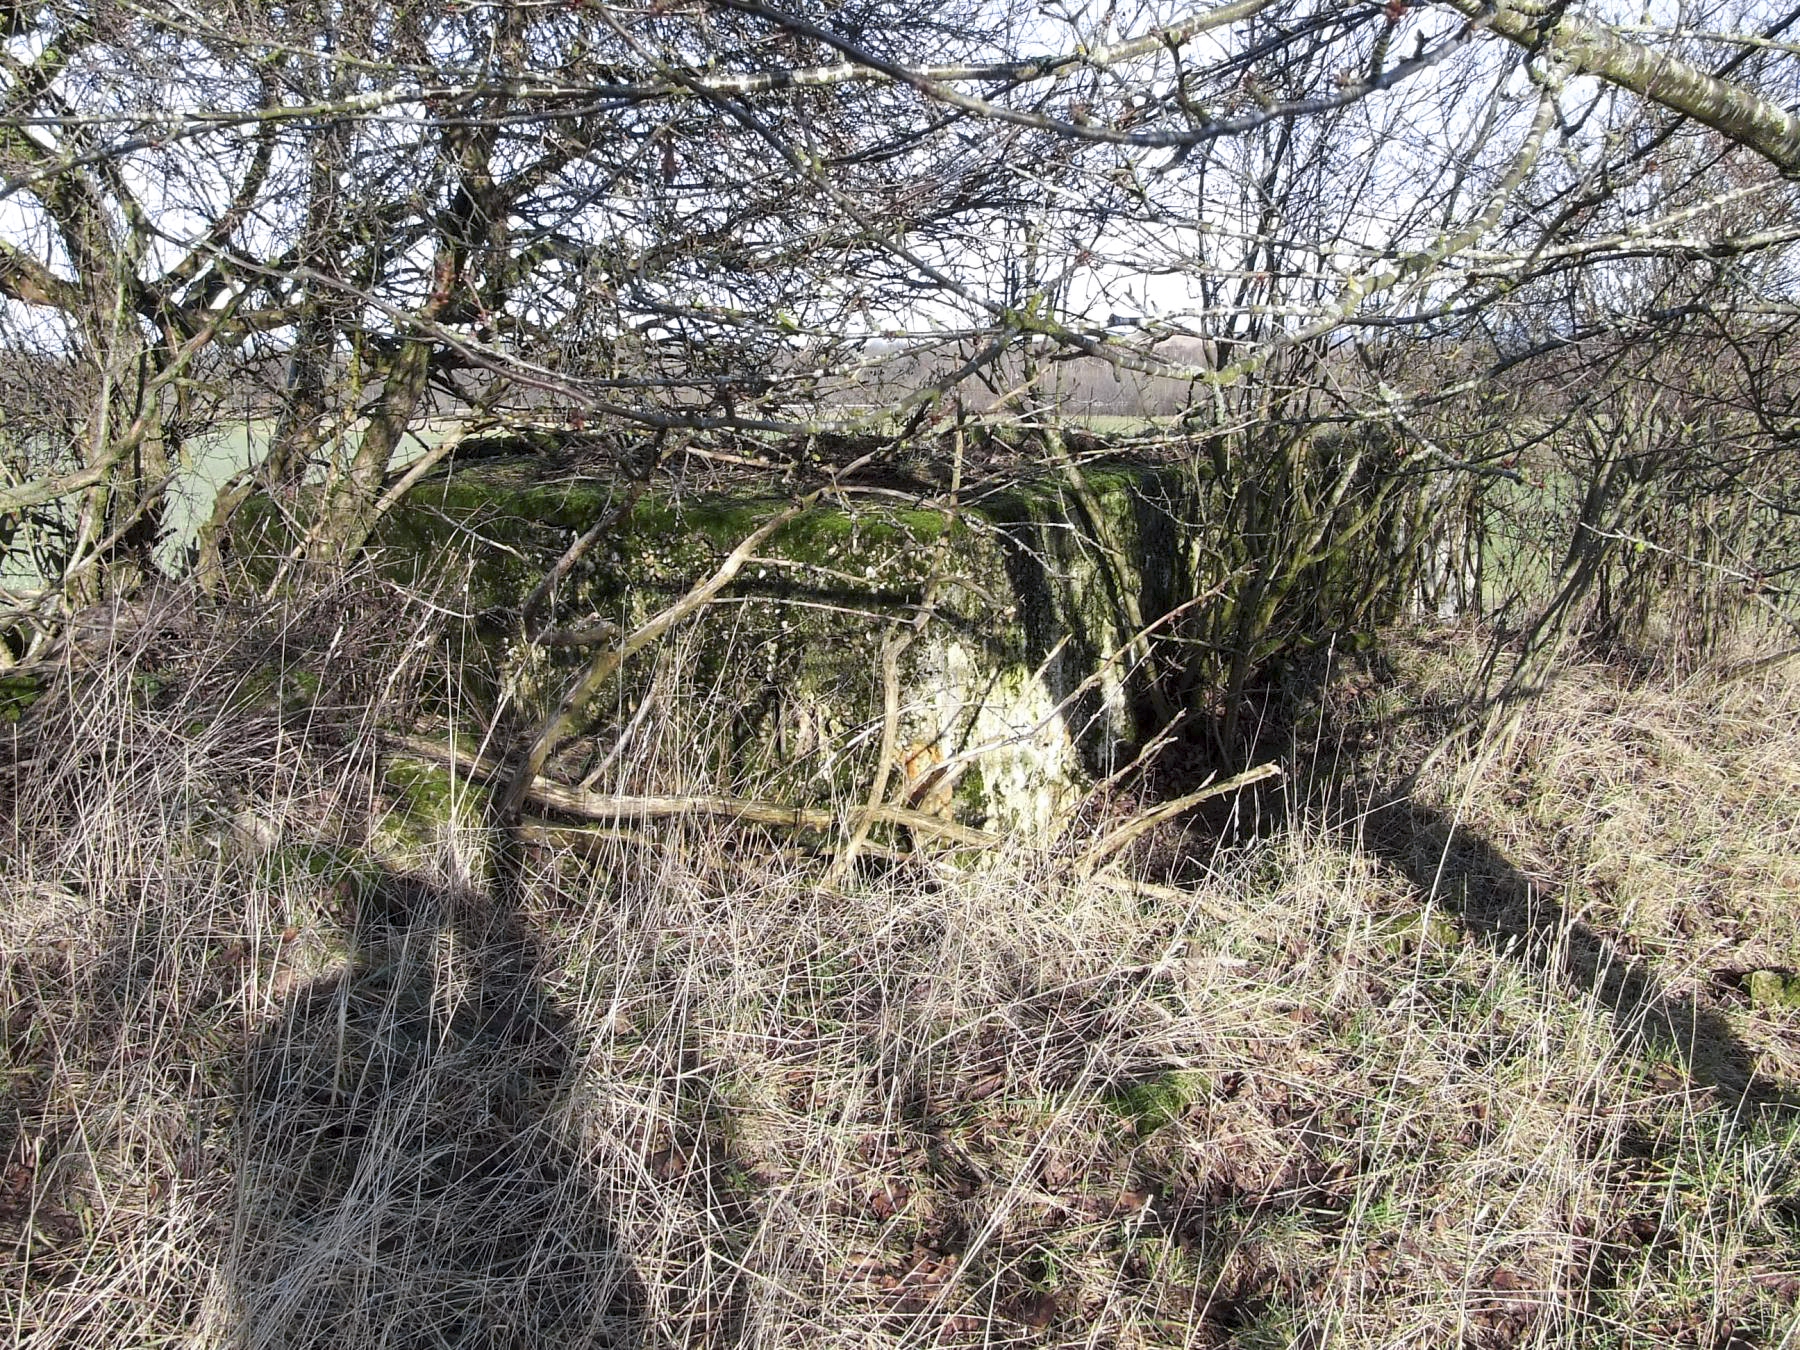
(430, 808)
(783, 670)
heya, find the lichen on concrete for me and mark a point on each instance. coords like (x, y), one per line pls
(1017, 682)
(427, 814)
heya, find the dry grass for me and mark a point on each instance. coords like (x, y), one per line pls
(265, 1090)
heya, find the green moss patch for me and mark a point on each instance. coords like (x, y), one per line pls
(1415, 930)
(1773, 989)
(1162, 1100)
(17, 694)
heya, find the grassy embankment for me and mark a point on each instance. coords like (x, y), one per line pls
(1483, 1070)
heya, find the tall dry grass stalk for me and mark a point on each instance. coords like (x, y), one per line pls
(289, 1063)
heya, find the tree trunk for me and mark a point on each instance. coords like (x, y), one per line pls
(1733, 110)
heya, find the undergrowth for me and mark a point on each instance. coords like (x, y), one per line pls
(286, 1065)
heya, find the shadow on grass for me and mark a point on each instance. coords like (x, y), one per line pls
(406, 1180)
(1477, 886)
(1486, 895)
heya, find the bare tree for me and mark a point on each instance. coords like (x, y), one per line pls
(1351, 231)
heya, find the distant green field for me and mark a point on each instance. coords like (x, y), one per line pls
(208, 461)
(211, 460)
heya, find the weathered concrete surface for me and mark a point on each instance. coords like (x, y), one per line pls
(1012, 694)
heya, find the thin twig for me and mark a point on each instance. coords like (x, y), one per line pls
(605, 806)
(1146, 821)
(892, 650)
(609, 659)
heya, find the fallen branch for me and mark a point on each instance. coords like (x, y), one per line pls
(612, 806)
(609, 659)
(1146, 821)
